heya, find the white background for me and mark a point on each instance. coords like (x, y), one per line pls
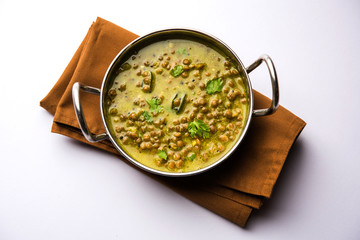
(52, 187)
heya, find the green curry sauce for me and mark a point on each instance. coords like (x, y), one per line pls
(177, 105)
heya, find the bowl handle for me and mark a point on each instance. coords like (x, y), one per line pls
(274, 84)
(79, 112)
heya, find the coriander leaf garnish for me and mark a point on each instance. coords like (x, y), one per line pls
(181, 51)
(154, 104)
(199, 128)
(162, 154)
(147, 116)
(192, 157)
(177, 70)
(215, 85)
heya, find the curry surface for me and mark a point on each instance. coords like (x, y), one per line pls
(177, 106)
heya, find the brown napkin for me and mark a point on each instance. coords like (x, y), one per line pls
(232, 189)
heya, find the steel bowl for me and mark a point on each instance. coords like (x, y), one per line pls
(161, 35)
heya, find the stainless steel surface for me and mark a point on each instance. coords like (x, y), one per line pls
(145, 40)
(274, 85)
(79, 112)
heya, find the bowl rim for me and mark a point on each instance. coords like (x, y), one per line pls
(138, 40)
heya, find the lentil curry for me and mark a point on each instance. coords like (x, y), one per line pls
(177, 105)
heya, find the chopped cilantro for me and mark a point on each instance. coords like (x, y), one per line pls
(162, 154)
(181, 51)
(147, 116)
(192, 157)
(154, 104)
(177, 70)
(199, 128)
(215, 85)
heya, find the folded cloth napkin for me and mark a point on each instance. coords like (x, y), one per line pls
(232, 189)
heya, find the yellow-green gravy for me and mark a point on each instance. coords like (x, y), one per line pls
(177, 105)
